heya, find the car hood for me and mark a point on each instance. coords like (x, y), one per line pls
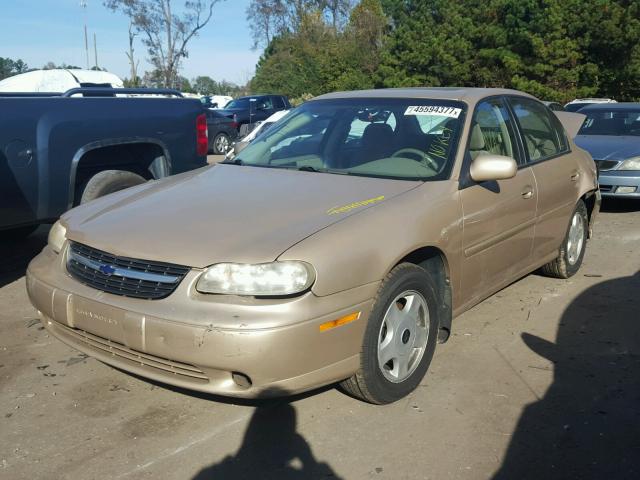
(609, 147)
(225, 213)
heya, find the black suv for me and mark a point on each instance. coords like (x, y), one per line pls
(254, 108)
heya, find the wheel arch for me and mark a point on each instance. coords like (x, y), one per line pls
(592, 201)
(435, 262)
(150, 157)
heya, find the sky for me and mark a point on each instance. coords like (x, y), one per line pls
(39, 31)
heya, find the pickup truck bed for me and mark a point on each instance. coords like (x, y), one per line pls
(52, 145)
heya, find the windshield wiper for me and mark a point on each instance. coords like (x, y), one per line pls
(308, 168)
(235, 161)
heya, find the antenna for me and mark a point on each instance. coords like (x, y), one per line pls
(83, 5)
(95, 50)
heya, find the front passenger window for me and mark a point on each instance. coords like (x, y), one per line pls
(491, 130)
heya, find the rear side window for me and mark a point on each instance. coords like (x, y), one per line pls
(542, 132)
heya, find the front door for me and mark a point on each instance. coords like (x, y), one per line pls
(498, 216)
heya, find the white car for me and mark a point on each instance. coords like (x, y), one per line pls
(58, 80)
(578, 103)
(259, 127)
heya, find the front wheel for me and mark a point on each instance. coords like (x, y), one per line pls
(400, 338)
(573, 246)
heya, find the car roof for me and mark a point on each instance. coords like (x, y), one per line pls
(612, 106)
(469, 95)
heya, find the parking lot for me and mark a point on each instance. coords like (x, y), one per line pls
(542, 377)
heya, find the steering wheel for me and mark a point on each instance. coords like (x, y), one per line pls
(422, 157)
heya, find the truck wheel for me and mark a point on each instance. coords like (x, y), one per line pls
(109, 181)
(573, 246)
(400, 338)
(221, 143)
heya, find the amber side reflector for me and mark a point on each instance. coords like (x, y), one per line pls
(340, 321)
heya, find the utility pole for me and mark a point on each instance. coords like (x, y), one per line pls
(83, 5)
(95, 50)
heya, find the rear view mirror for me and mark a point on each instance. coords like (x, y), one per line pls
(488, 166)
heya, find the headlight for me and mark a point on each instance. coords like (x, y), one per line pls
(630, 164)
(265, 279)
(57, 236)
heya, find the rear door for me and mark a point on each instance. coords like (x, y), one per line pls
(498, 216)
(557, 171)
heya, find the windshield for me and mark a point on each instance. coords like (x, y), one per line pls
(239, 103)
(390, 138)
(611, 122)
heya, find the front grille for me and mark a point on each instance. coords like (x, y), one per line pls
(604, 165)
(606, 188)
(121, 275)
(124, 353)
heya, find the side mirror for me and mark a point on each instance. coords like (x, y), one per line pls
(488, 166)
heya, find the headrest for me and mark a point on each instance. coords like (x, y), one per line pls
(381, 131)
(477, 138)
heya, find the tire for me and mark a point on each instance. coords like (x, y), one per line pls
(221, 143)
(109, 181)
(375, 382)
(573, 246)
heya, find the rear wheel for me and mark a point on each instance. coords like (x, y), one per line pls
(400, 338)
(573, 246)
(109, 181)
(221, 143)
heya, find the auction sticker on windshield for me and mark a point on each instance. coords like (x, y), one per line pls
(433, 110)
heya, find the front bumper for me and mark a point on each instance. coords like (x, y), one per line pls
(611, 180)
(201, 342)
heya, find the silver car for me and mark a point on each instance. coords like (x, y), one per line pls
(611, 134)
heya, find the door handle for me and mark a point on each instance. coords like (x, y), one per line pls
(575, 176)
(528, 193)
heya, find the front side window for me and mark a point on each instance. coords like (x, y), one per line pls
(264, 103)
(278, 103)
(542, 133)
(492, 130)
(363, 136)
(611, 122)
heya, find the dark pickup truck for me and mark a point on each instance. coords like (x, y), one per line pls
(252, 109)
(59, 150)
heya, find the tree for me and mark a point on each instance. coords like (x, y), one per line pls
(133, 64)
(165, 33)
(9, 67)
(316, 57)
(269, 19)
(205, 85)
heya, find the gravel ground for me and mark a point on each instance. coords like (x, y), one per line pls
(542, 380)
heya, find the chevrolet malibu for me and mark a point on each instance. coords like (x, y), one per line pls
(337, 247)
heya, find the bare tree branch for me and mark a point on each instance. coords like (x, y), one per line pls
(166, 34)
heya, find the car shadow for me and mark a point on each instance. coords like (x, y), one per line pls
(619, 205)
(587, 425)
(18, 252)
(271, 449)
